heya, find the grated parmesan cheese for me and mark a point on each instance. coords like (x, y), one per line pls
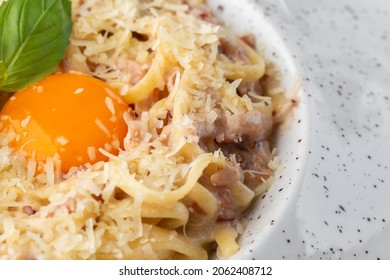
(78, 91)
(62, 140)
(24, 123)
(110, 105)
(123, 208)
(91, 151)
(101, 125)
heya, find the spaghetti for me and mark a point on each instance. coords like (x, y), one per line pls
(195, 155)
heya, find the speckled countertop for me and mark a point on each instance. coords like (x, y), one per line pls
(331, 199)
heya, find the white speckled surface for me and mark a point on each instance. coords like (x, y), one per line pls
(331, 198)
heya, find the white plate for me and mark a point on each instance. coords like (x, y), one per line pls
(331, 198)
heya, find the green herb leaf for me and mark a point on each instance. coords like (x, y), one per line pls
(3, 74)
(34, 35)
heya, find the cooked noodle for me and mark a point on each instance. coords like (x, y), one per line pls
(196, 153)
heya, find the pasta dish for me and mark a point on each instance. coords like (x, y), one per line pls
(161, 159)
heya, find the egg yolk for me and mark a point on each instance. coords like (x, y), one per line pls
(67, 115)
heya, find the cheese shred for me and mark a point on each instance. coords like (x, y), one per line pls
(195, 155)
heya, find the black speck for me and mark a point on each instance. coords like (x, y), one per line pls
(342, 208)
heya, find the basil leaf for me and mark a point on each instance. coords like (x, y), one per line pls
(34, 35)
(3, 75)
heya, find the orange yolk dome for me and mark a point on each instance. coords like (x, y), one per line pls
(69, 115)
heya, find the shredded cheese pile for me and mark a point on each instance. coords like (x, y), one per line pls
(178, 189)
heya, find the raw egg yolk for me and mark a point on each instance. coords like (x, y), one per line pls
(67, 115)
